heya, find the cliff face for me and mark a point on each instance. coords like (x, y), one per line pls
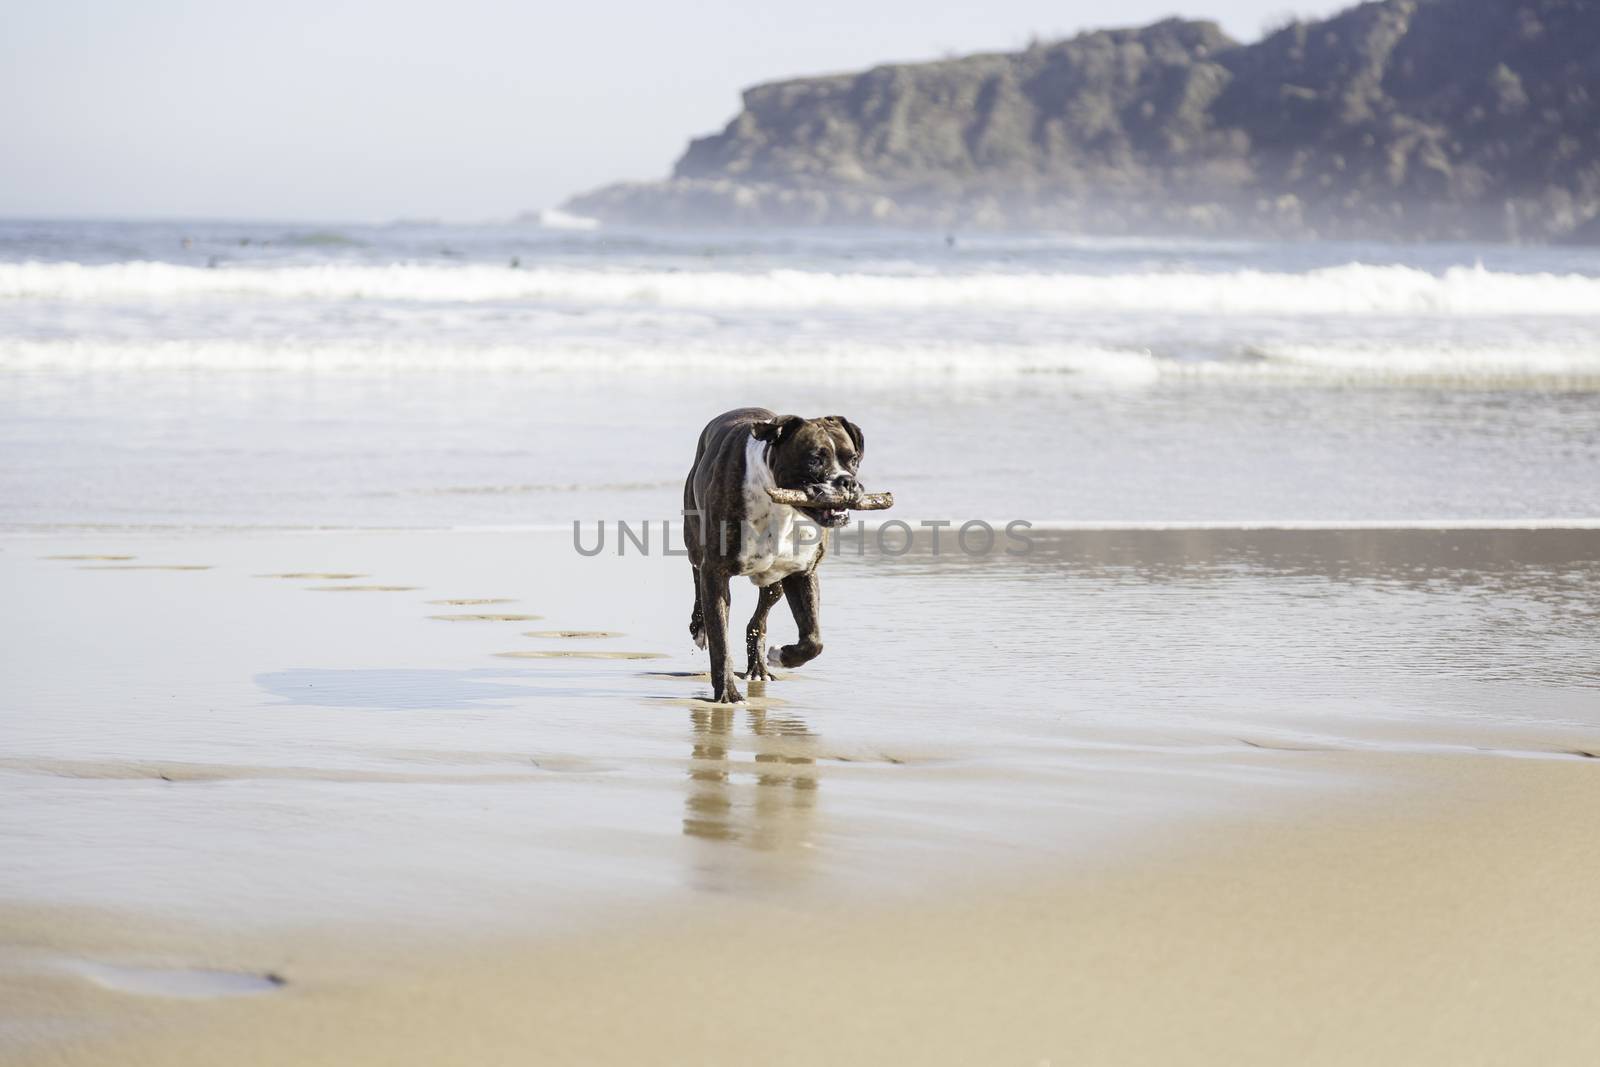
(1400, 118)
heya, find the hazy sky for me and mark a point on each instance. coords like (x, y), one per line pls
(377, 109)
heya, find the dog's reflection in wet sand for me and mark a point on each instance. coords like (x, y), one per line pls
(766, 804)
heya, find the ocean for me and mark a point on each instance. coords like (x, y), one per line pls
(221, 374)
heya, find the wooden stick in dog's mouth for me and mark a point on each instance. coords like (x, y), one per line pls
(852, 501)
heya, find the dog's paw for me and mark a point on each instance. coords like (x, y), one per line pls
(773, 658)
(700, 640)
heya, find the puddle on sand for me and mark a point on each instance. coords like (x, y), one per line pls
(469, 601)
(147, 567)
(574, 634)
(395, 688)
(363, 588)
(183, 982)
(564, 653)
(486, 617)
(314, 576)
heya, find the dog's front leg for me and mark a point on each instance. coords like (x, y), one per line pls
(714, 606)
(805, 600)
(755, 635)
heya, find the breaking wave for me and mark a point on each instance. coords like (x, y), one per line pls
(893, 364)
(552, 218)
(1416, 361)
(1351, 289)
(906, 365)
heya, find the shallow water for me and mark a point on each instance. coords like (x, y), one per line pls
(516, 450)
(219, 746)
(187, 984)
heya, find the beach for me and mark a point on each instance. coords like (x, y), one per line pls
(350, 712)
(313, 764)
(1451, 928)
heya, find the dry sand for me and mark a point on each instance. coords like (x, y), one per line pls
(1453, 922)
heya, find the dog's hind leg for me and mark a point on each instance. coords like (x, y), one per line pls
(755, 635)
(805, 600)
(714, 602)
(697, 617)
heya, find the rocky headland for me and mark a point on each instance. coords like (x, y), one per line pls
(1409, 119)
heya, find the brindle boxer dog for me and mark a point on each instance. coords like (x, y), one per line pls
(731, 527)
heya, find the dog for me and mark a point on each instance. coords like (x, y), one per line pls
(733, 528)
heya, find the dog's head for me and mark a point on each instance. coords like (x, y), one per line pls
(814, 455)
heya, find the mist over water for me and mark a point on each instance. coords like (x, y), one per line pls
(419, 374)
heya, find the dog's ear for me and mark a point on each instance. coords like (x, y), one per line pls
(773, 431)
(858, 438)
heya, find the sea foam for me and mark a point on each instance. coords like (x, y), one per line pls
(899, 366)
(865, 363)
(1351, 289)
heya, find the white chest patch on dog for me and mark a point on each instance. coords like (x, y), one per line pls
(777, 540)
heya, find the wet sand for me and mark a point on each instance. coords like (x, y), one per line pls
(1142, 796)
(1454, 924)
